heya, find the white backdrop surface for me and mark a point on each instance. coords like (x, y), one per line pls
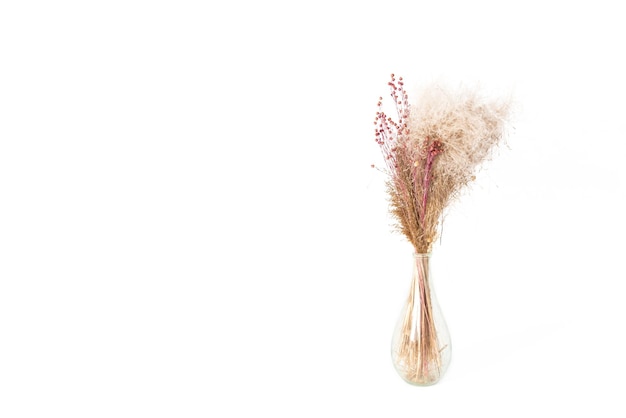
(190, 227)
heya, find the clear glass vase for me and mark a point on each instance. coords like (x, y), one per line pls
(420, 347)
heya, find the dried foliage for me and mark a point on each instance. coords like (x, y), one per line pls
(432, 151)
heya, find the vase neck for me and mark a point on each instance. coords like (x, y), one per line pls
(421, 266)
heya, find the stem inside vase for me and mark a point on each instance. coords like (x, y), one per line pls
(421, 343)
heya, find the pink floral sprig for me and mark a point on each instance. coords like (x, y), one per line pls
(388, 131)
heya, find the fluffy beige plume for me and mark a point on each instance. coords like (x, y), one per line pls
(468, 127)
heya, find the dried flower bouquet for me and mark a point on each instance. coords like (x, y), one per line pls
(431, 152)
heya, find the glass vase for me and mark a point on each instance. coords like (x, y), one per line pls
(420, 347)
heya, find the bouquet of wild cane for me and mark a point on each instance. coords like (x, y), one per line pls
(431, 152)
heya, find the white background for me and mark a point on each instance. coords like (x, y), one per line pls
(190, 227)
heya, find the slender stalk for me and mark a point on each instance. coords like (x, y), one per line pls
(435, 149)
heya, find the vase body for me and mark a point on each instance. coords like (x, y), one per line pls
(420, 347)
